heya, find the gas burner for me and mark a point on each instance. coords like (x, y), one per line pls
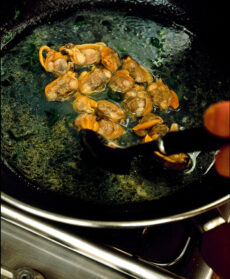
(40, 249)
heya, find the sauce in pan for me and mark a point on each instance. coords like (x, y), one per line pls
(38, 137)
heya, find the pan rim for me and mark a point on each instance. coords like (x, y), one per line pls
(169, 218)
(111, 224)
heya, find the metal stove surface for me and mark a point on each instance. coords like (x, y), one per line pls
(54, 251)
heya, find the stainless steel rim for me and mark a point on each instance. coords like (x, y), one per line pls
(111, 224)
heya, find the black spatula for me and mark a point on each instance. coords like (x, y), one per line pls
(195, 139)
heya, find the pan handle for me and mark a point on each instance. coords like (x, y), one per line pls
(215, 249)
(215, 241)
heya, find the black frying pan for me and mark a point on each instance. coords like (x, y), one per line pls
(194, 65)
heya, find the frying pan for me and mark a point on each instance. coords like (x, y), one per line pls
(194, 64)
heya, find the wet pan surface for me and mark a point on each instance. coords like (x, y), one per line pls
(39, 140)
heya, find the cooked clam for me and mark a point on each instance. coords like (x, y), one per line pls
(162, 96)
(179, 161)
(94, 81)
(86, 121)
(146, 124)
(121, 81)
(110, 59)
(159, 130)
(138, 102)
(138, 72)
(84, 104)
(110, 129)
(86, 54)
(54, 62)
(62, 88)
(110, 111)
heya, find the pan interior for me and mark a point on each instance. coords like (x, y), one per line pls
(38, 139)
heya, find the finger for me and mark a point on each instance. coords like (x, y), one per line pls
(217, 119)
(222, 163)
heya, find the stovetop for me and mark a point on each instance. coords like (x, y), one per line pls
(62, 251)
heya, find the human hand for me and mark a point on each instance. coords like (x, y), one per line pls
(217, 122)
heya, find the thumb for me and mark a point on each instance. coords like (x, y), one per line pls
(217, 122)
(217, 119)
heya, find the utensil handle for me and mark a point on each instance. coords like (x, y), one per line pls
(191, 140)
(215, 249)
